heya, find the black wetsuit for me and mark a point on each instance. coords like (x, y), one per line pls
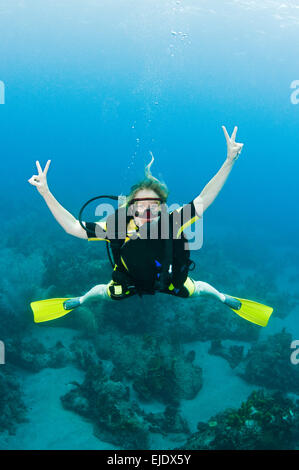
(142, 256)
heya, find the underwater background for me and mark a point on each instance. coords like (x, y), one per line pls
(95, 86)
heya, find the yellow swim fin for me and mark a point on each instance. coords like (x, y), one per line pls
(45, 310)
(252, 311)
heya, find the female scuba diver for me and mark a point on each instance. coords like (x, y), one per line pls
(145, 265)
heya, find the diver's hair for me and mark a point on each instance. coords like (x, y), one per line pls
(149, 182)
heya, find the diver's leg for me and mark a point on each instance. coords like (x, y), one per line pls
(98, 291)
(203, 288)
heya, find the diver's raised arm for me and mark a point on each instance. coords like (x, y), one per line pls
(67, 221)
(212, 189)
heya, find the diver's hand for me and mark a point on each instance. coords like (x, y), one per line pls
(233, 148)
(40, 180)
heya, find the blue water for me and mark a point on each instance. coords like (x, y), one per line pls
(94, 86)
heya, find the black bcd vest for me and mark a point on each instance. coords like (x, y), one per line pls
(148, 264)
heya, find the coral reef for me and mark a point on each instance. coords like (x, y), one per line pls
(264, 421)
(106, 403)
(33, 356)
(12, 407)
(75, 267)
(205, 319)
(233, 354)
(116, 417)
(267, 363)
(20, 280)
(159, 370)
(168, 422)
(134, 349)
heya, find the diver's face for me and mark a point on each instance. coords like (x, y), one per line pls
(147, 209)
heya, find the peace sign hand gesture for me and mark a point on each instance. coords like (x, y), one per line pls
(40, 180)
(233, 148)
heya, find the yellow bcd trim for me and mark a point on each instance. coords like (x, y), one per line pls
(118, 290)
(189, 284)
(187, 224)
(124, 263)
